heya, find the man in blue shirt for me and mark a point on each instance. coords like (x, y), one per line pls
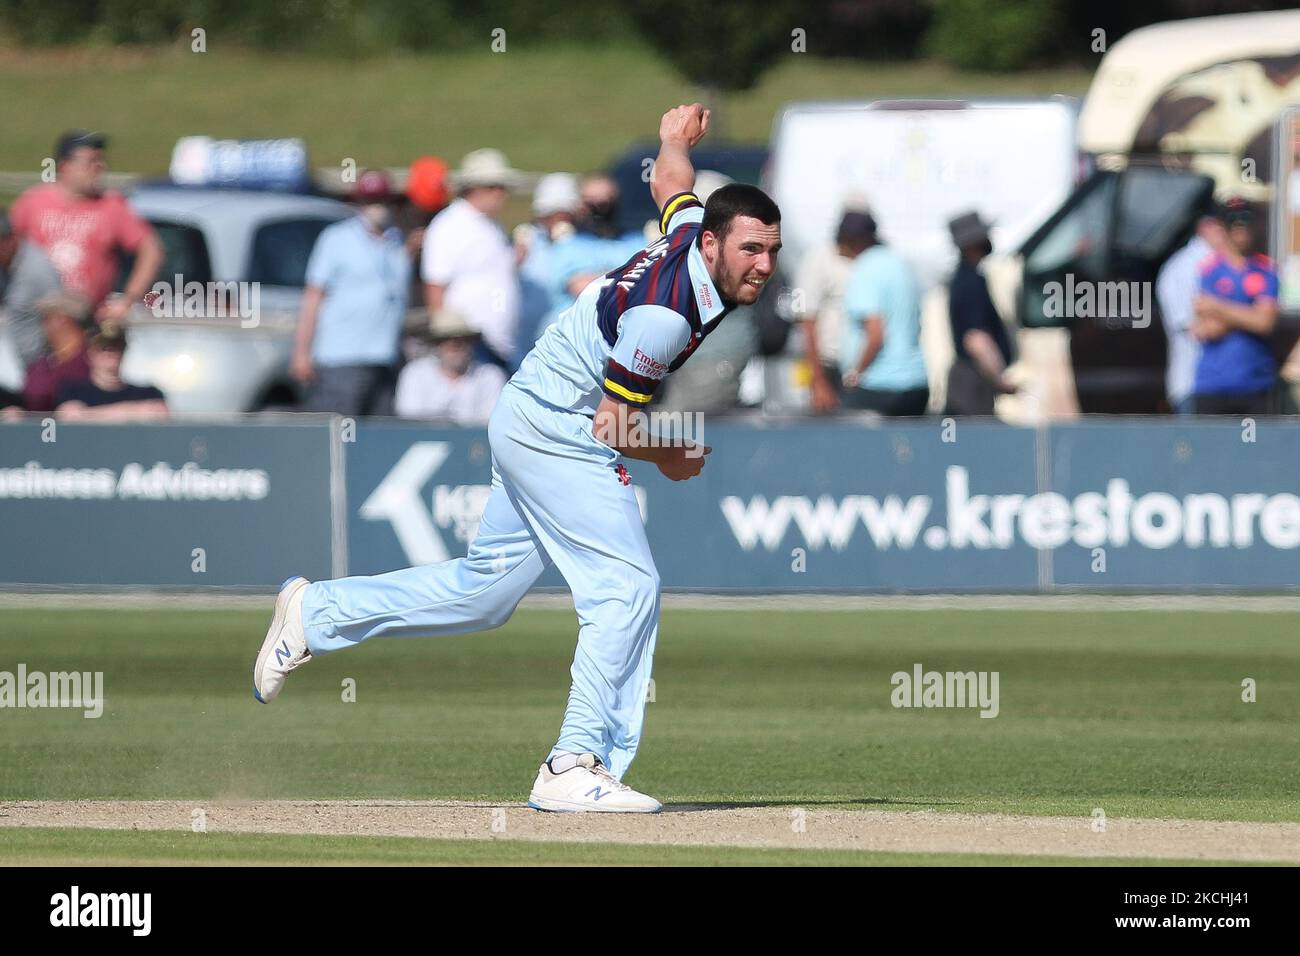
(350, 323)
(1235, 317)
(884, 368)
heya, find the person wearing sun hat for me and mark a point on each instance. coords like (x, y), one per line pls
(979, 337)
(468, 263)
(539, 247)
(450, 383)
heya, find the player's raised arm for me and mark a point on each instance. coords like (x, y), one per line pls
(679, 130)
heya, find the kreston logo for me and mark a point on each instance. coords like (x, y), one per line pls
(418, 522)
(1115, 517)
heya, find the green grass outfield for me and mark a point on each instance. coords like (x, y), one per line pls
(1139, 713)
(558, 108)
(79, 847)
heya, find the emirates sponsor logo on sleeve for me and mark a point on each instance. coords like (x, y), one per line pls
(645, 365)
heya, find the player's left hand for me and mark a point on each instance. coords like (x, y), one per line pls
(686, 461)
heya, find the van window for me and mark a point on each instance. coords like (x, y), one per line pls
(1155, 205)
(281, 250)
(1077, 241)
(185, 254)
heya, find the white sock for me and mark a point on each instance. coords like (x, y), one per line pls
(563, 762)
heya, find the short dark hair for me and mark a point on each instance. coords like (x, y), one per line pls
(737, 199)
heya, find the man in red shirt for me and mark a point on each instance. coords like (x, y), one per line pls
(82, 228)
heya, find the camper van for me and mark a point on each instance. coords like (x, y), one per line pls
(1177, 113)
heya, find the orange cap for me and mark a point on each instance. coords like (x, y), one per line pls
(426, 183)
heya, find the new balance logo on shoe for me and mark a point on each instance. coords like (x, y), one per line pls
(598, 793)
(282, 655)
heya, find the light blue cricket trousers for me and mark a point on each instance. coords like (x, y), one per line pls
(555, 497)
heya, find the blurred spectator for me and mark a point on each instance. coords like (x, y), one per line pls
(451, 383)
(468, 264)
(427, 194)
(104, 397)
(1234, 320)
(819, 289)
(83, 228)
(1177, 286)
(542, 290)
(598, 246)
(65, 318)
(979, 338)
(599, 213)
(28, 275)
(350, 324)
(884, 368)
(426, 185)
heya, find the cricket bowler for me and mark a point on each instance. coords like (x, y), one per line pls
(559, 491)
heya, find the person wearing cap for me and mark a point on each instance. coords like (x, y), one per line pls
(83, 228)
(1235, 315)
(819, 304)
(426, 185)
(542, 295)
(26, 276)
(450, 384)
(468, 263)
(1178, 284)
(979, 337)
(65, 318)
(350, 322)
(598, 244)
(427, 193)
(884, 370)
(104, 397)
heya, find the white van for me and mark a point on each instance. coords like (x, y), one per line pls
(917, 164)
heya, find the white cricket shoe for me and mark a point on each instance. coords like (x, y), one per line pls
(587, 787)
(285, 648)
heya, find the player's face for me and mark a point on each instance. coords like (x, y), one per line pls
(743, 262)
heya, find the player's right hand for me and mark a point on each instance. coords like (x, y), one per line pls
(686, 124)
(687, 461)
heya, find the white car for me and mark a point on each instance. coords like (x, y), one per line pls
(250, 248)
(260, 242)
